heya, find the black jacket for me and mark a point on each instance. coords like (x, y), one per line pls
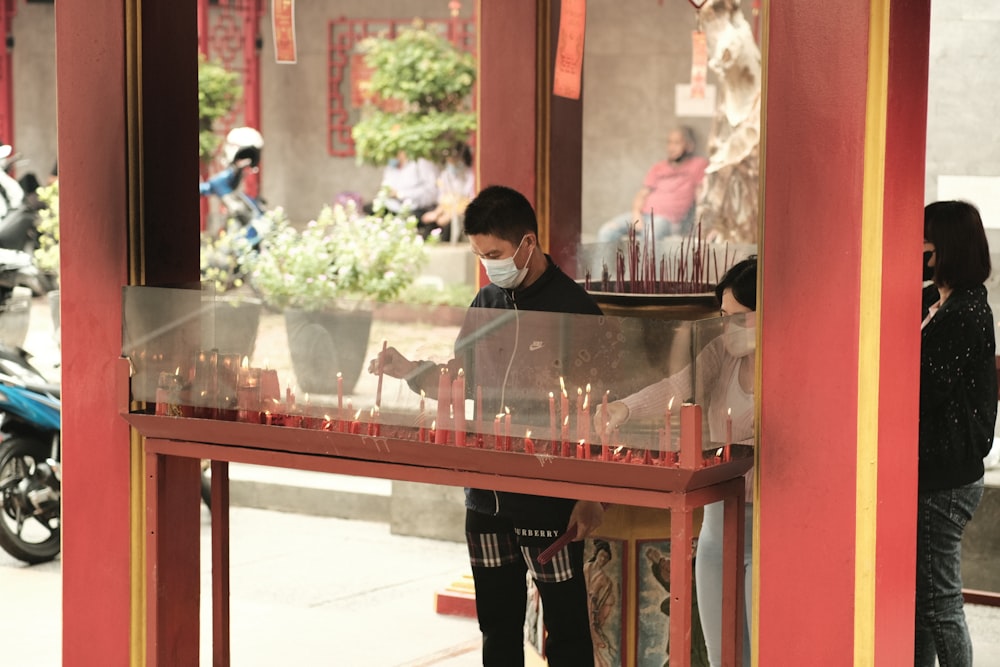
(526, 367)
(958, 391)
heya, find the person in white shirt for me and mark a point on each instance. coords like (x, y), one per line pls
(456, 188)
(410, 185)
(725, 370)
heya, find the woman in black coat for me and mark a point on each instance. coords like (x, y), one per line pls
(958, 409)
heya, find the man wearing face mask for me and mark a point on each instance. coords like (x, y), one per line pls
(507, 531)
(725, 384)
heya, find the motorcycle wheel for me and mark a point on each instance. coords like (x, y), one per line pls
(27, 532)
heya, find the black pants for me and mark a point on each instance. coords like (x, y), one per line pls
(501, 593)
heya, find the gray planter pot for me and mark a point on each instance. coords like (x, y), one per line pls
(229, 324)
(324, 343)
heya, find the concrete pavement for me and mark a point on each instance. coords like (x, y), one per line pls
(319, 591)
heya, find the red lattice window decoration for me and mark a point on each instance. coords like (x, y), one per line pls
(346, 68)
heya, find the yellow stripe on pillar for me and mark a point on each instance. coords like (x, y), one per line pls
(869, 334)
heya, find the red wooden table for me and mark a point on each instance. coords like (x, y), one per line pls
(173, 447)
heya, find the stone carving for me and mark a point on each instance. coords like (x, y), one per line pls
(729, 200)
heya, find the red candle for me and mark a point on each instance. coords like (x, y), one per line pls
(269, 387)
(433, 431)
(727, 454)
(552, 417)
(670, 426)
(478, 407)
(267, 417)
(340, 395)
(585, 416)
(565, 436)
(581, 452)
(579, 413)
(345, 425)
(563, 401)
(421, 420)
(356, 423)
(496, 433)
(605, 449)
(529, 446)
(458, 407)
(443, 408)
(506, 431)
(378, 387)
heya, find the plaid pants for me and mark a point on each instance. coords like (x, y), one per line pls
(502, 551)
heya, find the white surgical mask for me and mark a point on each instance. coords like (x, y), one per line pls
(504, 272)
(740, 341)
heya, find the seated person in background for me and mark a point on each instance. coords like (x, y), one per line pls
(667, 193)
(410, 184)
(456, 187)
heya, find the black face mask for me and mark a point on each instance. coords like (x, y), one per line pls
(928, 270)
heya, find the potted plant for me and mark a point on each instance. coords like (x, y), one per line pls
(218, 91)
(326, 278)
(235, 311)
(417, 99)
(46, 255)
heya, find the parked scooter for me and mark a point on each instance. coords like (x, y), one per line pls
(30, 468)
(242, 150)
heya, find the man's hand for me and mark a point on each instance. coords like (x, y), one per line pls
(617, 414)
(392, 363)
(587, 516)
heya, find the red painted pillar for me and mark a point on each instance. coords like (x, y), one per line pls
(507, 90)
(846, 95)
(540, 154)
(129, 214)
(7, 12)
(93, 221)
(252, 14)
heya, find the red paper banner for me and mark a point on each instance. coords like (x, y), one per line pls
(699, 64)
(283, 27)
(569, 49)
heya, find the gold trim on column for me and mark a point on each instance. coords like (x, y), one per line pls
(869, 334)
(765, 34)
(137, 464)
(543, 120)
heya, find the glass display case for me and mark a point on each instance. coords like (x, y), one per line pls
(523, 394)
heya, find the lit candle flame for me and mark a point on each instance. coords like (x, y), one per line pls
(562, 384)
(670, 405)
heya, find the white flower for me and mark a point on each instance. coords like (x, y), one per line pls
(339, 254)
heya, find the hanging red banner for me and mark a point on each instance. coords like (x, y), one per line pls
(569, 49)
(699, 64)
(283, 27)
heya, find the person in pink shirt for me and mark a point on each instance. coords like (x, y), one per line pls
(667, 196)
